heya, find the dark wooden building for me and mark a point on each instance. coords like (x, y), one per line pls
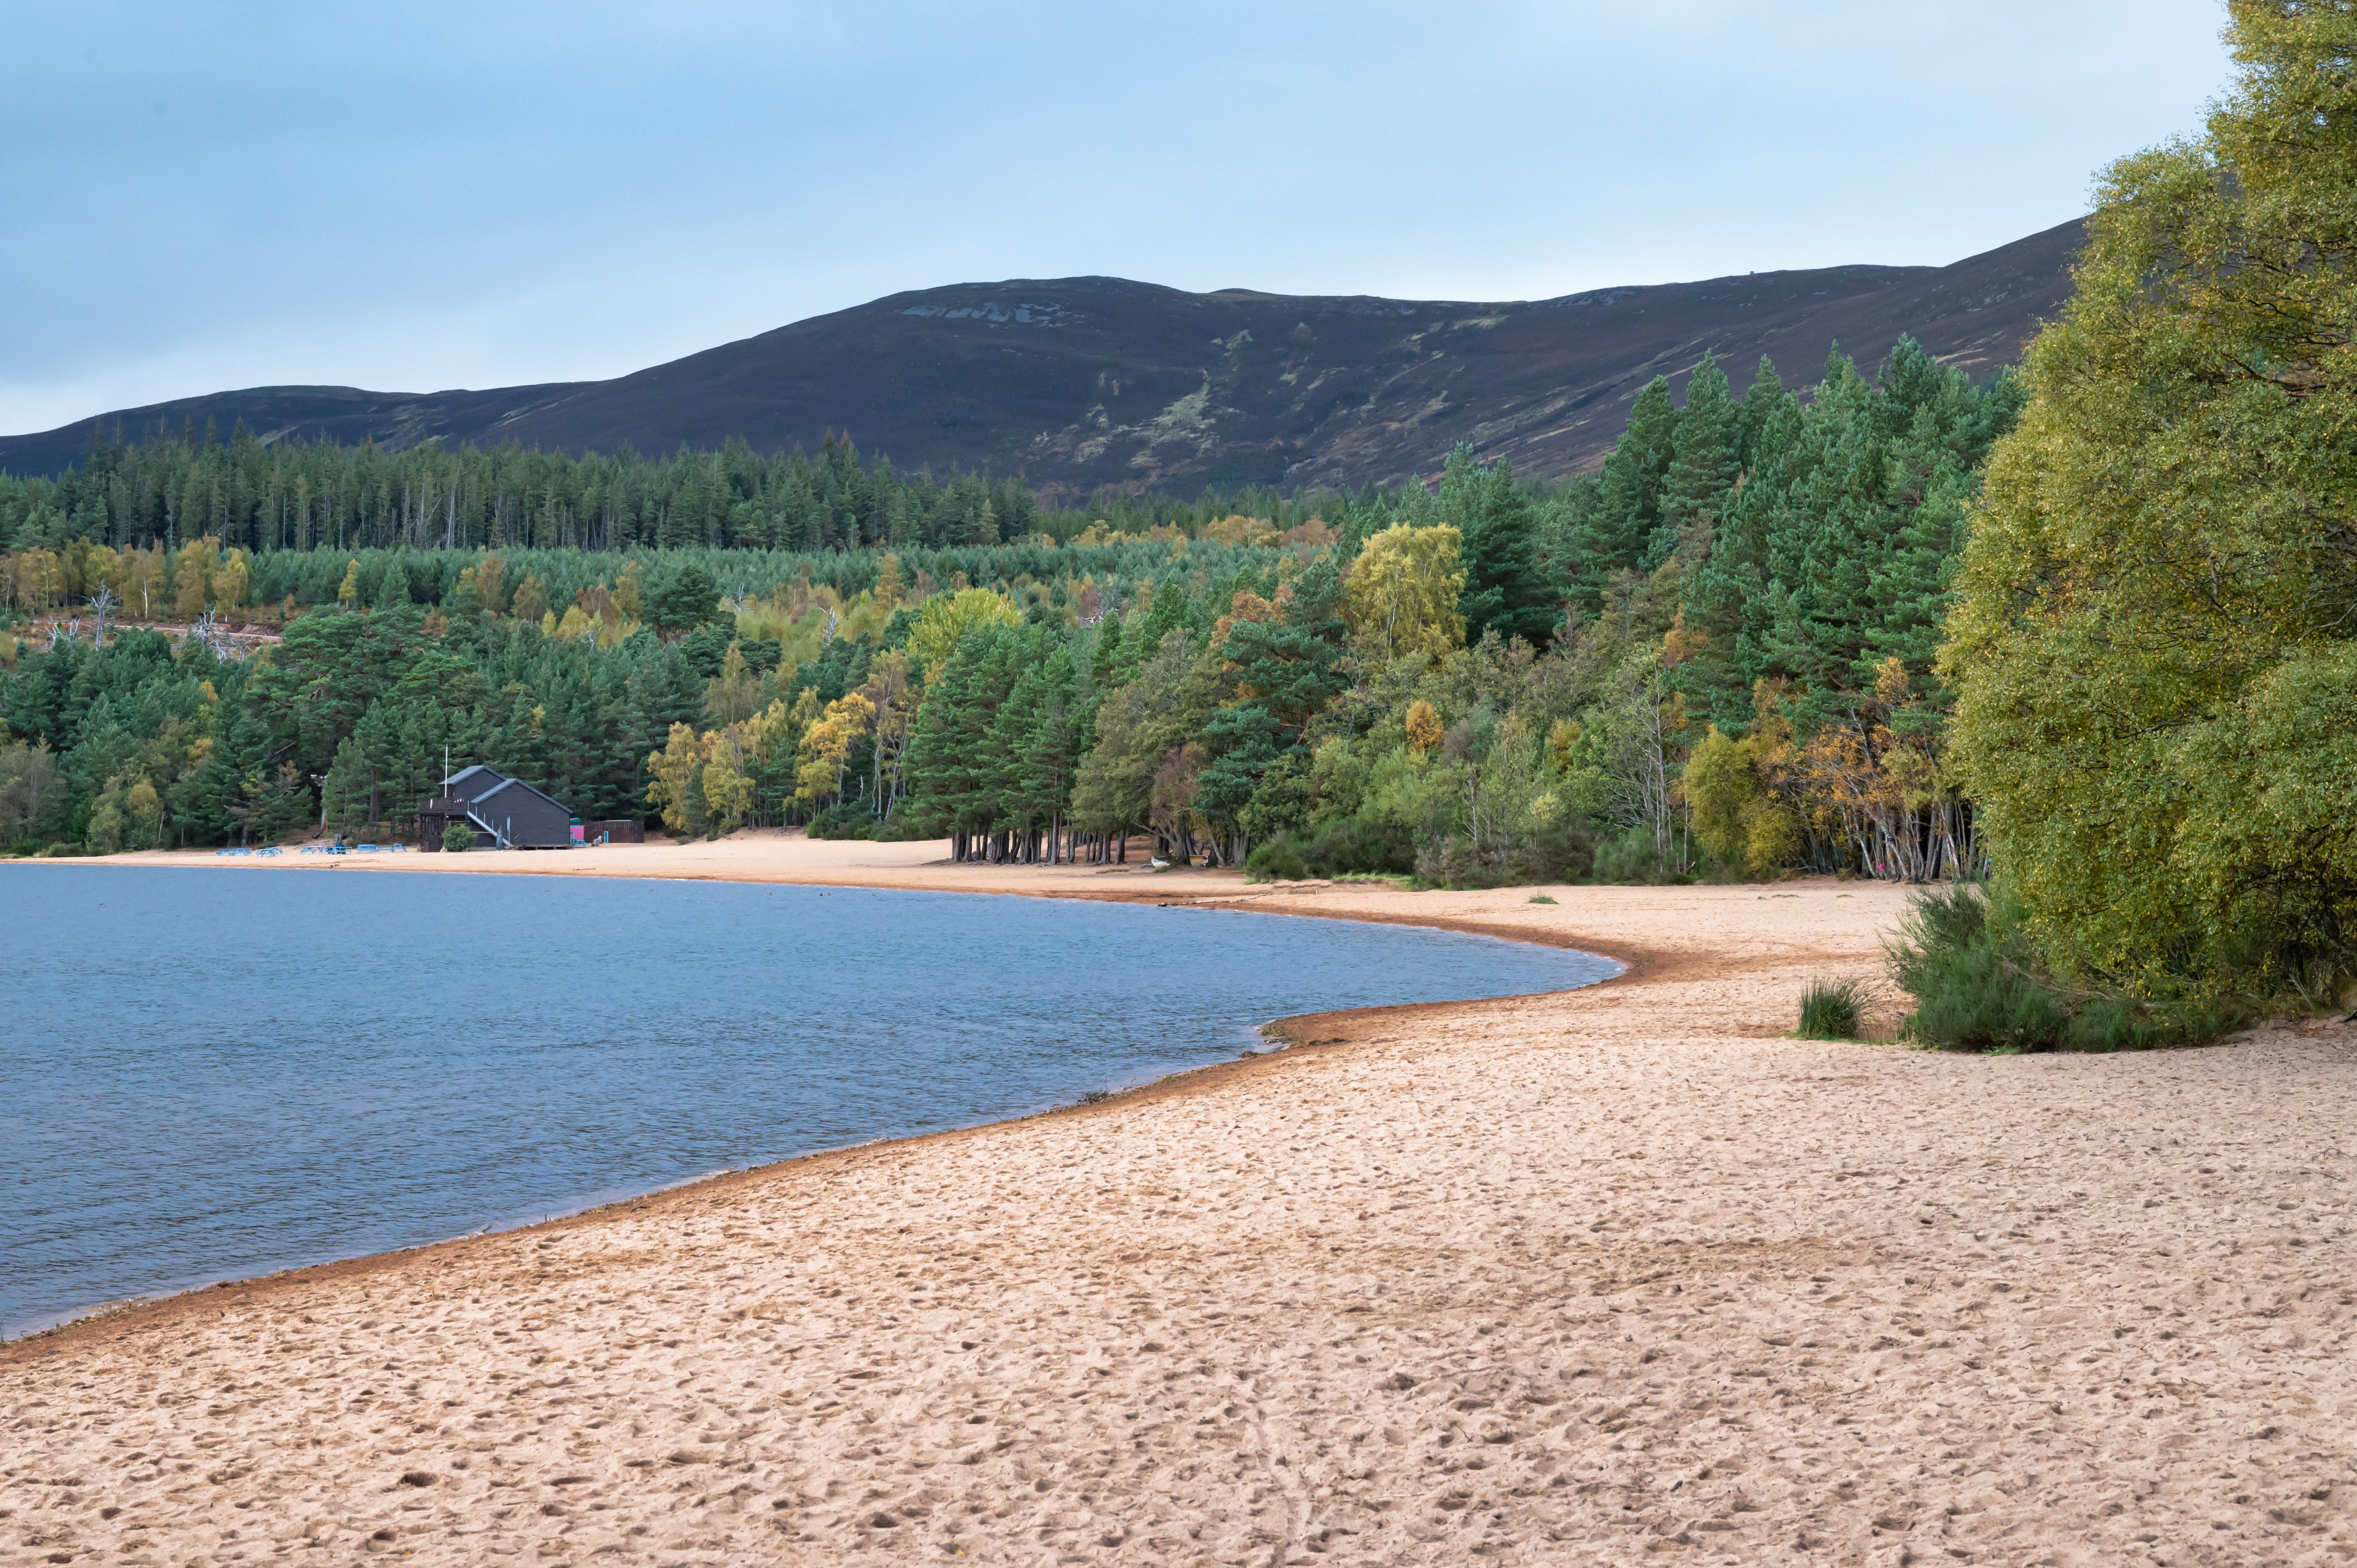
(504, 813)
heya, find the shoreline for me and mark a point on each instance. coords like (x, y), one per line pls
(1572, 1277)
(1294, 1030)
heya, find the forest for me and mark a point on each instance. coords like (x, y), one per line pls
(2087, 628)
(1713, 657)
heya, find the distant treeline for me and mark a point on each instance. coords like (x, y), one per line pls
(169, 488)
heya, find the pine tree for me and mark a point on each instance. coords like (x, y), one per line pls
(1766, 401)
(344, 796)
(1702, 466)
(1104, 663)
(1166, 615)
(1626, 510)
(395, 593)
(1052, 747)
(1505, 591)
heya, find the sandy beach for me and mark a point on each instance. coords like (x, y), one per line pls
(1584, 1278)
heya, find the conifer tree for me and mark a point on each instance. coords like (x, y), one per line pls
(395, 593)
(1104, 663)
(1626, 510)
(1701, 464)
(1167, 614)
(1505, 591)
(1766, 401)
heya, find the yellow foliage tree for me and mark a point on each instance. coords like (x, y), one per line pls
(144, 809)
(143, 582)
(1423, 729)
(1744, 827)
(531, 598)
(491, 584)
(233, 580)
(729, 696)
(948, 619)
(826, 749)
(671, 782)
(192, 578)
(895, 695)
(728, 792)
(1401, 597)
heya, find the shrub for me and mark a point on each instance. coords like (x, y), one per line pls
(1277, 860)
(1831, 1010)
(898, 829)
(842, 821)
(1630, 857)
(1454, 863)
(1353, 844)
(1964, 954)
(457, 837)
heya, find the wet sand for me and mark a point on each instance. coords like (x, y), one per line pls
(1583, 1278)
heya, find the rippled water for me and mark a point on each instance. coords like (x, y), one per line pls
(207, 1074)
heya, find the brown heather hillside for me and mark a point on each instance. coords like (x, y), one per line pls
(1082, 382)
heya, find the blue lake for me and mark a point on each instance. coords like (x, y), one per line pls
(209, 1074)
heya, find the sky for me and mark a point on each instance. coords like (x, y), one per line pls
(196, 196)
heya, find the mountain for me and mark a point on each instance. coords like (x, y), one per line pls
(1082, 382)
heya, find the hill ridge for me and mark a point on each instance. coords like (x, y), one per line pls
(1093, 380)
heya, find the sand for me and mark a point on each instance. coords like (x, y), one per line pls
(1585, 1278)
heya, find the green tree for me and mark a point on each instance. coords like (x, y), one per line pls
(1702, 469)
(2153, 642)
(681, 602)
(1612, 538)
(1505, 591)
(395, 593)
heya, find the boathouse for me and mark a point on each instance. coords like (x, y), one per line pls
(506, 813)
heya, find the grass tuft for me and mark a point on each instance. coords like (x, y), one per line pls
(1541, 899)
(1831, 1010)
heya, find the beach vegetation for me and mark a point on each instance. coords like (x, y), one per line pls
(1968, 957)
(1833, 1010)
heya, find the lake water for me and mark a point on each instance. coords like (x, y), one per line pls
(210, 1074)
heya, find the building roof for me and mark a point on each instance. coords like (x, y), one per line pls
(504, 784)
(473, 783)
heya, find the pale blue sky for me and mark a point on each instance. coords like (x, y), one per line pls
(421, 195)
